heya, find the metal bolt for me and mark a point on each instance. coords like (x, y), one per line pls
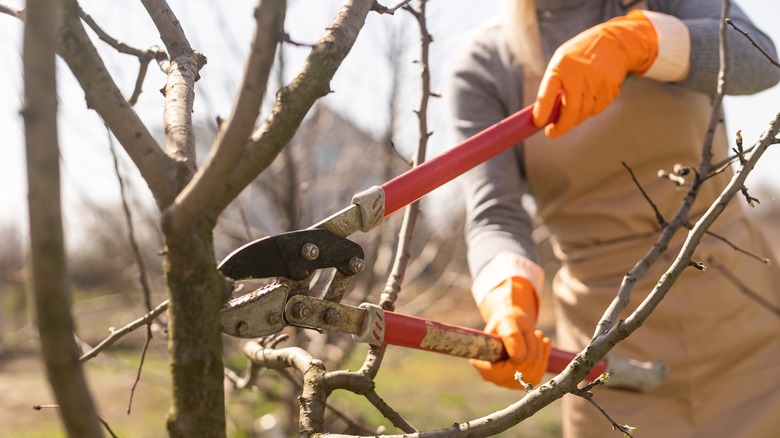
(241, 328)
(301, 310)
(273, 318)
(332, 316)
(356, 265)
(310, 251)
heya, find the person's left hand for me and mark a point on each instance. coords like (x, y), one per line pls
(589, 70)
(510, 311)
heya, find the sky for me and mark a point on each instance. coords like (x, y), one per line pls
(360, 88)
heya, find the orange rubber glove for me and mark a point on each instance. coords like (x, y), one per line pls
(510, 311)
(590, 68)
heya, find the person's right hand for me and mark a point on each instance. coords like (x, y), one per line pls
(510, 311)
(589, 70)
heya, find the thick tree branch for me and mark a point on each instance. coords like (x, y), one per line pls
(313, 400)
(233, 133)
(47, 246)
(295, 100)
(103, 95)
(179, 89)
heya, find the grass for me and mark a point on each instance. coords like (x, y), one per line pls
(433, 391)
(23, 384)
(430, 390)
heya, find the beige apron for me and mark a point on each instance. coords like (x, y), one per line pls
(722, 348)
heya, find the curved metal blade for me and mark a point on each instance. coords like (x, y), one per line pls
(256, 314)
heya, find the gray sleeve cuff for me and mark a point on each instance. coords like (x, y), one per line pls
(749, 71)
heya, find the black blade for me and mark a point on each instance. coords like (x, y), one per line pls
(282, 255)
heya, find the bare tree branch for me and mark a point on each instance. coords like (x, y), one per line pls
(101, 420)
(12, 11)
(753, 42)
(587, 395)
(389, 413)
(179, 90)
(144, 56)
(627, 285)
(103, 95)
(403, 252)
(658, 216)
(122, 332)
(742, 287)
(234, 132)
(391, 10)
(47, 246)
(145, 286)
(294, 101)
(140, 366)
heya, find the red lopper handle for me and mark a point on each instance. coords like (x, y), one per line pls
(422, 334)
(423, 179)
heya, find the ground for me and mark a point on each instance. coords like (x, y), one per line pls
(453, 391)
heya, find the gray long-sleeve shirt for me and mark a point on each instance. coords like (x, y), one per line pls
(488, 86)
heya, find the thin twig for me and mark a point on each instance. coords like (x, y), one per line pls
(140, 366)
(389, 413)
(244, 220)
(742, 287)
(658, 216)
(144, 277)
(726, 163)
(288, 39)
(389, 10)
(108, 428)
(122, 332)
(753, 42)
(764, 260)
(587, 395)
(740, 153)
(144, 56)
(147, 292)
(12, 11)
(403, 252)
(100, 419)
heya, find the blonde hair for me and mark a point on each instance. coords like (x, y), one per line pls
(521, 27)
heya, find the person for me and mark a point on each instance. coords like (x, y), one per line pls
(637, 80)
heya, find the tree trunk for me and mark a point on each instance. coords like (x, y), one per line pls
(195, 345)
